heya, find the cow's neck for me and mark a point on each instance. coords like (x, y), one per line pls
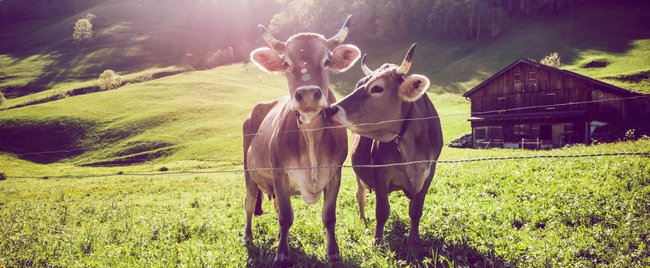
(414, 147)
(312, 134)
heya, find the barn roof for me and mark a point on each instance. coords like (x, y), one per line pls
(612, 88)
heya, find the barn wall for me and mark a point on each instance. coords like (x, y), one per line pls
(527, 85)
(527, 88)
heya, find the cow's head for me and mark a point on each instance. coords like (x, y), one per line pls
(306, 59)
(381, 100)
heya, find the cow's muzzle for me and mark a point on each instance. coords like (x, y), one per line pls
(330, 111)
(308, 94)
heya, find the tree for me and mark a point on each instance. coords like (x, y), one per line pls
(3, 101)
(109, 80)
(552, 60)
(83, 30)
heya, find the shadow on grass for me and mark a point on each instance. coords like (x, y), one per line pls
(434, 252)
(43, 142)
(261, 254)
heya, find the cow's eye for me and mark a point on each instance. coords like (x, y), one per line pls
(327, 63)
(377, 89)
(286, 65)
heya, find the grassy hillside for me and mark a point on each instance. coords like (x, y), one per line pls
(557, 212)
(541, 212)
(195, 115)
(129, 37)
(616, 34)
(188, 119)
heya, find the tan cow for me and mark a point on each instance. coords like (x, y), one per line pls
(290, 133)
(394, 122)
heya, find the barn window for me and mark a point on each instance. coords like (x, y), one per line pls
(495, 133)
(517, 82)
(501, 103)
(522, 131)
(568, 133)
(480, 133)
(532, 80)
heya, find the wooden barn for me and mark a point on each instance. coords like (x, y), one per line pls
(531, 105)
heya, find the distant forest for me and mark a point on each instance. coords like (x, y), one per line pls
(462, 20)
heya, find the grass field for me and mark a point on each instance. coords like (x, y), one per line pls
(543, 212)
(573, 212)
(539, 213)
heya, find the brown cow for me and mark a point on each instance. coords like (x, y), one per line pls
(394, 122)
(290, 133)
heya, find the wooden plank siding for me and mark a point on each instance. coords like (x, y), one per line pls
(538, 98)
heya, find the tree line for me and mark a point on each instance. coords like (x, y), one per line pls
(233, 22)
(390, 20)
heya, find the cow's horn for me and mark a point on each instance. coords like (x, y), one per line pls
(275, 44)
(364, 67)
(406, 63)
(340, 36)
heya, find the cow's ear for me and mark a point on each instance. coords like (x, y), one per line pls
(343, 57)
(413, 87)
(267, 59)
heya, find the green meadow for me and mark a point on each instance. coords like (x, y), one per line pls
(536, 212)
(134, 176)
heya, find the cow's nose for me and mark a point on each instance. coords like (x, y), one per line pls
(331, 111)
(308, 92)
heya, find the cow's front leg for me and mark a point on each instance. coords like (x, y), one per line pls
(329, 217)
(415, 211)
(285, 216)
(382, 210)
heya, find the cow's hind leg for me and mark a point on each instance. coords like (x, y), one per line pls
(361, 199)
(416, 206)
(253, 198)
(329, 218)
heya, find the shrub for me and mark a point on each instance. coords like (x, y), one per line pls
(109, 80)
(552, 60)
(220, 57)
(90, 16)
(83, 30)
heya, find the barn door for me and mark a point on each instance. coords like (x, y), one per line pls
(558, 135)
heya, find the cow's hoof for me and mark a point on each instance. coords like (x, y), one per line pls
(248, 240)
(334, 258)
(414, 241)
(282, 260)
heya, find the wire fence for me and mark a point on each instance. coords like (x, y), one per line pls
(642, 154)
(270, 169)
(459, 114)
(45, 153)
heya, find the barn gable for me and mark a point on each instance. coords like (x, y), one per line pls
(527, 102)
(529, 65)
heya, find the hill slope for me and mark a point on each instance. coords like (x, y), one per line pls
(615, 34)
(192, 118)
(136, 36)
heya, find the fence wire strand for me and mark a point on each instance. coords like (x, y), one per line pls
(241, 170)
(41, 153)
